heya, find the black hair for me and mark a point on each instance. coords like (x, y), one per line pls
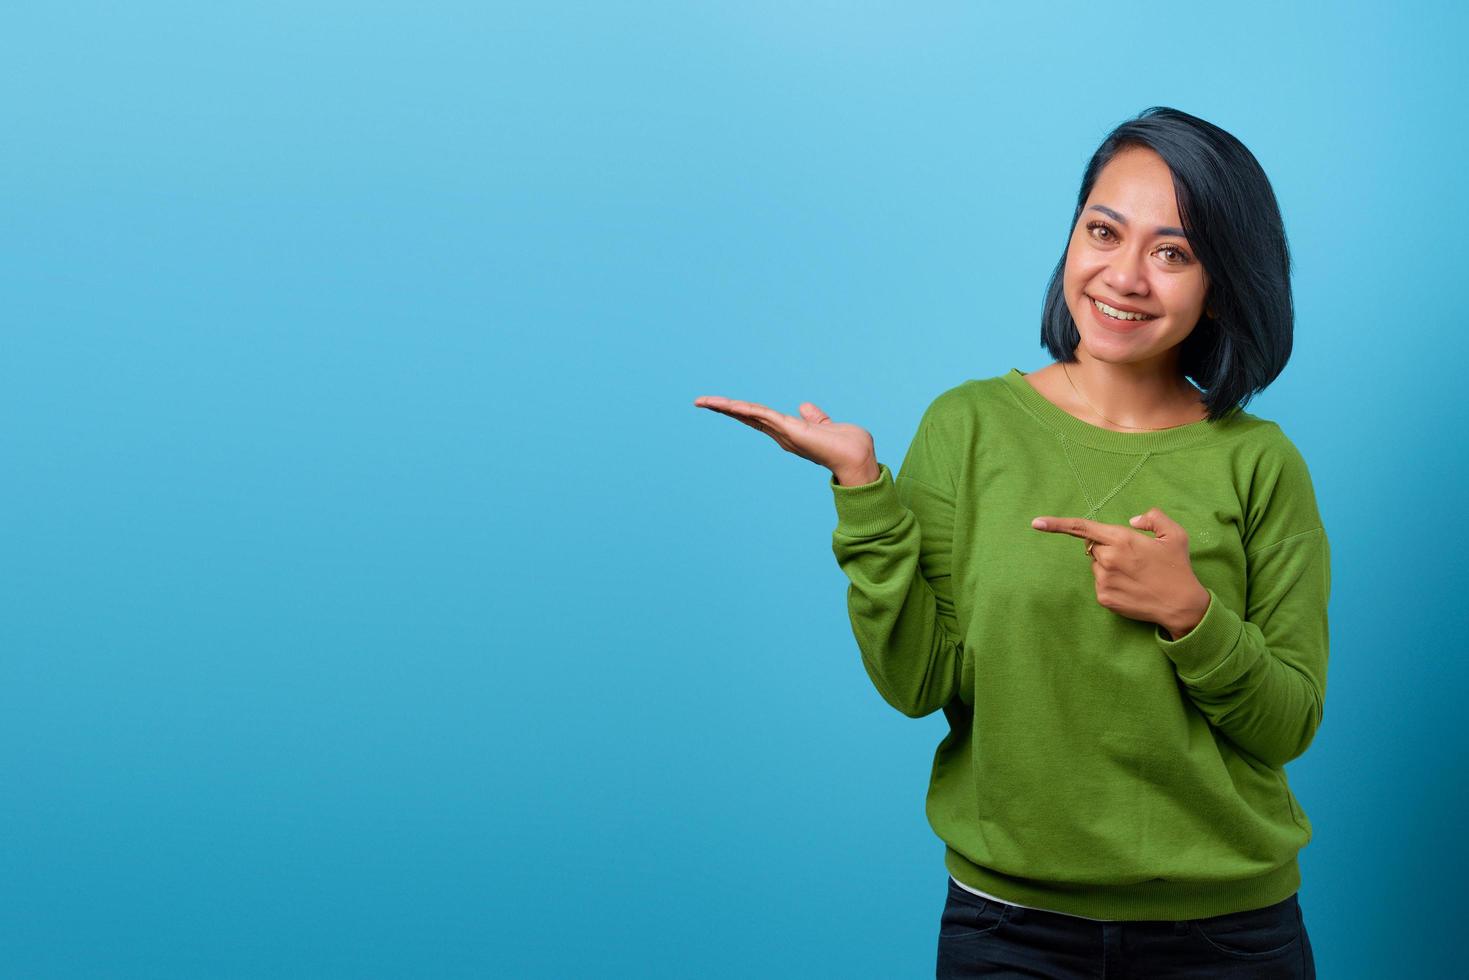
(1233, 224)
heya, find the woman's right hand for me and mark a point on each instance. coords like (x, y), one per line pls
(845, 449)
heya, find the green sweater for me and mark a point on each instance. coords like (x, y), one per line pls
(1092, 765)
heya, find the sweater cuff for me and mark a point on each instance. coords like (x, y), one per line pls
(867, 509)
(1206, 647)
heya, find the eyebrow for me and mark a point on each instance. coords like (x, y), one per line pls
(1161, 230)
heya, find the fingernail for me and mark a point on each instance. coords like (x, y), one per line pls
(1038, 524)
(1134, 520)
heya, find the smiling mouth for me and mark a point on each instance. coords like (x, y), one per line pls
(1121, 316)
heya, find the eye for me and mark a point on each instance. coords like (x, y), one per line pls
(1182, 257)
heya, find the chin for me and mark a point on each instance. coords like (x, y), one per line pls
(1109, 348)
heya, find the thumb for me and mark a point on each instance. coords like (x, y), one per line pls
(1156, 521)
(812, 414)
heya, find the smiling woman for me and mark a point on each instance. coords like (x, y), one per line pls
(1175, 221)
(1113, 581)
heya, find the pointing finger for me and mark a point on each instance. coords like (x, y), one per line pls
(1082, 528)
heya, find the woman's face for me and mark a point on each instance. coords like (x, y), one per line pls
(1119, 255)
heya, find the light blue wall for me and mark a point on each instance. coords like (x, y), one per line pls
(375, 601)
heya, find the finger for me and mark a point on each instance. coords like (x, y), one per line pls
(716, 402)
(812, 414)
(753, 423)
(1082, 528)
(720, 402)
(1158, 522)
(733, 406)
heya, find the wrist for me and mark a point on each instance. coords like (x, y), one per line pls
(1182, 622)
(861, 476)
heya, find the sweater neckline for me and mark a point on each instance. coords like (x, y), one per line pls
(1063, 423)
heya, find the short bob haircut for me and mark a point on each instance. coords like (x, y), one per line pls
(1233, 225)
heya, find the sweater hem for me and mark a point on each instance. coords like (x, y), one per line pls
(1156, 900)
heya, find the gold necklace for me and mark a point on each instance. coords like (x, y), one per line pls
(1145, 428)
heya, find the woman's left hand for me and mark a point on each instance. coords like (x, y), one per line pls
(1144, 578)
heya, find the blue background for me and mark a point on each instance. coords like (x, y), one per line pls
(376, 602)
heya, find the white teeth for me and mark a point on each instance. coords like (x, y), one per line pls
(1119, 314)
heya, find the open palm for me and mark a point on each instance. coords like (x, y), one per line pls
(845, 449)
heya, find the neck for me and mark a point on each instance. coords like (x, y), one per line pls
(1141, 394)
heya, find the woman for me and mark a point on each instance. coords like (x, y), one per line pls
(1114, 583)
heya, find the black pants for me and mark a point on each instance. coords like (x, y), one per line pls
(979, 937)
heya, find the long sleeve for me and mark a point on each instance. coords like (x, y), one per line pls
(1260, 677)
(893, 540)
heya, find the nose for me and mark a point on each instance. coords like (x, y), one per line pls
(1126, 273)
